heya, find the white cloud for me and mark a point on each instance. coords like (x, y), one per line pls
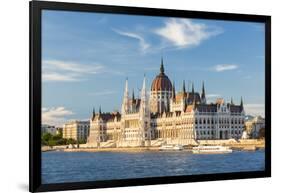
(55, 115)
(53, 76)
(143, 44)
(57, 70)
(224, 67)
(254, 109)
(184, 33)
(73, 67)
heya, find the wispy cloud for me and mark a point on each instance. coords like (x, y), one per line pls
(54, 76)
(142, 43)
(103, 93)
(224, 67)
(184, 33)
(254, 109)
(55, 115)
(57, 70)
(73, 67)
(175, 34)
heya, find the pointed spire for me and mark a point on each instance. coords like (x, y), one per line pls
(162, 66)
(100, 110)
(125, 103)
(133, 96)
(144, 99)
(183, 87)
(203, 89)
(192, 88)
(144, 85)
(231, 102)
(143, 90)
(126, 87)
(203, 94)
(94, 113)
(241, 104)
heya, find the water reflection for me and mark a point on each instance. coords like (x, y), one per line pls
(82, 166)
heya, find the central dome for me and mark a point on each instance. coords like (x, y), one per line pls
(161, 82)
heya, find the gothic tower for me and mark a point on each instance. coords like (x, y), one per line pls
(144, 113)
(203, 95)
(125, 104)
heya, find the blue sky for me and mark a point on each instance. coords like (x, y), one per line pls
(86, 58)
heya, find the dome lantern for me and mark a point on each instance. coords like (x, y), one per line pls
(161, 82)
(162, 67)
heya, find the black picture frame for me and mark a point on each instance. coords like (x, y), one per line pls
(36, 8)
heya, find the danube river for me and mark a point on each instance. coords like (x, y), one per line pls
(60, 167)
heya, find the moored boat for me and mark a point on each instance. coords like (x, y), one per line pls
(211, 149)
(171, 147)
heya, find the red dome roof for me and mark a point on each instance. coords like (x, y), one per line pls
(161, 82)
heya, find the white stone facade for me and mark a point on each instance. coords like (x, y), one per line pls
(164, 116)
(254, 126)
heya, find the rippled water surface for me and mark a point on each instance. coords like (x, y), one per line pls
(60, 167)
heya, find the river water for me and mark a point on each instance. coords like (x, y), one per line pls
(58, 167)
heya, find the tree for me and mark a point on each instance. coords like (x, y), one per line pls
(57, 137)
(45, 138)
(70, 141)
(52, 143)
(82, 141)
(52, 140)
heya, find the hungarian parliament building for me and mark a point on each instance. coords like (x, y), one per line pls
(163, 115)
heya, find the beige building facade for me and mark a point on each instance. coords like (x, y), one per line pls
(77, 130)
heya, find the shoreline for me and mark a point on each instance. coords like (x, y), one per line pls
(249, 145)
(105, 149)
